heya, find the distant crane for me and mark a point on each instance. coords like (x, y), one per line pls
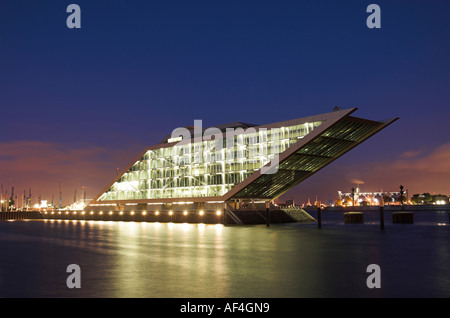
(60, 194)
(83, 195)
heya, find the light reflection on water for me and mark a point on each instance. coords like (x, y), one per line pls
(139, 259)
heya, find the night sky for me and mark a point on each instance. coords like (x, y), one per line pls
(75, 104)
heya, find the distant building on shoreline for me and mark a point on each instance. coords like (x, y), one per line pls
(359, 198)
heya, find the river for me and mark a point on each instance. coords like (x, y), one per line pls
(168, 260)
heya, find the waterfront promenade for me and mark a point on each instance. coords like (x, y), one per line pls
(305, 215)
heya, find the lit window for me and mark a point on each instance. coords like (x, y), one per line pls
(174, 139)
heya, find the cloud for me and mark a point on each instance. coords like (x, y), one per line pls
(437, 161)
(42, 165)
(419, 171)
(411, 154)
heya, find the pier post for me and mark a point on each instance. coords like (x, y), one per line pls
(354, 218)
(319, 217)
(403, 217)
(382, 217)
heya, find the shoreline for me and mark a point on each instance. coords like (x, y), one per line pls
(406, 208)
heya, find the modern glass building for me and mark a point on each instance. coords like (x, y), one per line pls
(232, 165)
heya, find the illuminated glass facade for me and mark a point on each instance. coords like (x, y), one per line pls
(205, 168)
(236, 162)
(313, 156)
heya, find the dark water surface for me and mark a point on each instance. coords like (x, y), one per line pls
(128, 259)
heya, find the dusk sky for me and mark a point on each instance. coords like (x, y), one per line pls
(75, 104)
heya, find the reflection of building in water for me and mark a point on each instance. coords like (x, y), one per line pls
(369, 198)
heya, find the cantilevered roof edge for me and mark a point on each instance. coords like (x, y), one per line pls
(329, 119)
(383, 125)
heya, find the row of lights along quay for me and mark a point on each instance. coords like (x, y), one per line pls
(208, 217)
